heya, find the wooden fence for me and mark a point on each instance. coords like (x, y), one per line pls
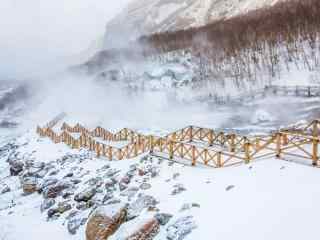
(273, 90)
(195, 144)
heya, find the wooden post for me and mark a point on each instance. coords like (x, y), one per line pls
(206, 157)
(110, 153)
(151, 144)
(285, 140)
(219, 160)
(247, 146)
(315, 148)
(170, 149)
(103, 150)
(278, 143)
(190, 134)
(210, 138)
(315, 143)
(257, 143)
(160, 145)
(194, 160)
(135, 149)
(174, 136)
(98, 150)
(120, 157)
(181, 152)
(232, 143)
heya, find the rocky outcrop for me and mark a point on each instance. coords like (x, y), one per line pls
(105, 221)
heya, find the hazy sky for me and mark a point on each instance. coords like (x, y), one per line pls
(34, 32)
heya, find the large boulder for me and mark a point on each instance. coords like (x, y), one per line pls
(105, 221)
(141, 228)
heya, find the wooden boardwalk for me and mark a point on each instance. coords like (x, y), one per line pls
(194, 144)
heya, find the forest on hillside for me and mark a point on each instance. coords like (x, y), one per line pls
(258, 46)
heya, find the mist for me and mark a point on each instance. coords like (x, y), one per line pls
(42, 37)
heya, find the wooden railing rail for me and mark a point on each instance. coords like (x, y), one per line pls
(182, 144)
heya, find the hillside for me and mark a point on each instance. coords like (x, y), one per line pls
(144, 17)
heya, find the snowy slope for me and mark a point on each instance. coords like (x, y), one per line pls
(268, 199)
(151, 16)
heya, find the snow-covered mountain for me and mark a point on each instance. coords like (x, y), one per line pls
(151, 16)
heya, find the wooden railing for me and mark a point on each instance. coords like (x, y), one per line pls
(272, 90)
(195, 144)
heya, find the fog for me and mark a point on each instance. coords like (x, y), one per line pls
(38, 37)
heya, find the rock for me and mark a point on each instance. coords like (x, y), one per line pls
(142, 202)
(53, 191)
(61, 208)
(46, 204)
(145, 228)
(188, 206)
(35, 169)
(122, 186)
(74, 224)
(125, 180)
(82, 206)
(229, 187)
(67, 193)
(181, 228)
(178, 188)
(175, 176)
(29, 185)
(110, 183)
(72, 214)
(154, 172)
(141, 172)
(145, 186)
(107, 197)
(113, 201)
(95, 182)
(133, 167)
(5, 189)
(111, 172)
(16, 167)
(105, 221)
(53, 172)
(75, 181)
(130, 192)
(68, 175)
(44, 184)
(85, 195)
(163, 218)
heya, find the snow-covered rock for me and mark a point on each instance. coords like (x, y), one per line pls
(105, 221)
(180, 228)
(141, 228)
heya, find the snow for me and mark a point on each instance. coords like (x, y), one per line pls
(271, 199)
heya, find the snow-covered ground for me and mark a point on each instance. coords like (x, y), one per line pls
(267, 199)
